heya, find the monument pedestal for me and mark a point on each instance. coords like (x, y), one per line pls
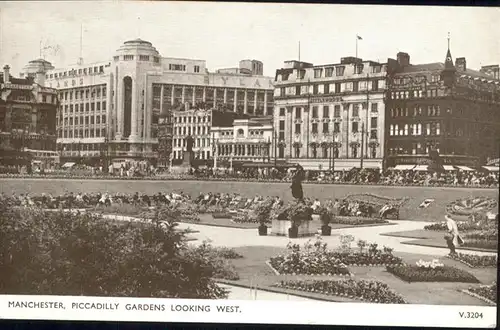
(186, 164)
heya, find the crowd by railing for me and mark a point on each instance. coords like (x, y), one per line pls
(480, 179)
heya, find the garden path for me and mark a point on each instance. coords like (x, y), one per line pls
(235, 237)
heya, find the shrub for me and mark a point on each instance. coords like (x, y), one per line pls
(372, 291)
(489, 292)
(81, 254)
(414, 273)
(474, 261)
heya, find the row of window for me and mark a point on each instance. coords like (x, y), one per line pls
(432, 111)
(83, 93)
(198, 130)
(74, 72)
(198, 142)
(433, 128)
(82, 133)
(415, 94)
(142, 58)
(191, 119)
(336, 110)
(328, 71)
(202, 155)
(86, 120)
(355, 128)
(416, 148)
(98, 106)
(336, 88)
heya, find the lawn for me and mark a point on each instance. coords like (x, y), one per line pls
(410, 211)
(254, 272)
(429, 238)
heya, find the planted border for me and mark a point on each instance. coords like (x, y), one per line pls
(475, 261)
(486, 293)
(369, 291)
(412, 273)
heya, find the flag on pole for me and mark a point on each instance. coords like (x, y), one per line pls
(359, 38)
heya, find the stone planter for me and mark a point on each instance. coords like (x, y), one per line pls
(280, 228)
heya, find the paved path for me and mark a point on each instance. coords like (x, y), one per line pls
(239, 293)
(235, 237)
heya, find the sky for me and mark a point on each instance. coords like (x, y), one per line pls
(225, 33)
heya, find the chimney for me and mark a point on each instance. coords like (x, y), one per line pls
(40, 78)
(6, 74)
(461, 64)
(403, 59)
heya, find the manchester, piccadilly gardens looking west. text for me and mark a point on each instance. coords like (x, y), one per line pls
(201, 239)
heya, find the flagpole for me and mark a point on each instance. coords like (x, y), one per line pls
(356, 46)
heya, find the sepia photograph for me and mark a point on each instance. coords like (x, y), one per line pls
(200, 156)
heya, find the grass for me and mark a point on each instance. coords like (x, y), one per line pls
(410, 211)
(430, 238)
(254, 272)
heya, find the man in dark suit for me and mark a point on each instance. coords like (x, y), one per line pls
(297, 179)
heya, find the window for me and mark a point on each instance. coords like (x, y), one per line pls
(359, 68)
(87, 107)
(92, 106)
(101, 69)
(282, 91)
(128, 57)
(315, 112)
(355, 86)
(197, 68)
(325, 127)
(374, 122)
(377, 69)
(177, 67)
(328, 72)
(315, 89)
(92, 120)
(98, 119)
(339, 71)
(98, 106)
(326, 111)
(282, 136)
(282, 125)
(336, 111)
(336, 127)
(373, 134)
(355, 127)
(337, 87)
(282, 112)
(297, 152)
(375, 85)
(144, 58)
(314, 129)
(355, 110)
(317, 73)
(103, 119)
(374, 107)
(297, 128)
(297, 113)
(104, 105)
(354, 151)
(326, 89)
(297, 90)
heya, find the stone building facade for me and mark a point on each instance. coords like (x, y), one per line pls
(120, 101)
(446, 106)
(330, 116)
(28, 118)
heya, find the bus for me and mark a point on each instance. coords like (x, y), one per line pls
(44, 159)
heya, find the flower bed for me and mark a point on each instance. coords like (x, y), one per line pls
(226, 253)
(475, 261)
(356, 221)
(481, 244)
(487, 293)
(317, 259)
(123, 209)
(416, 273)
(370, 291)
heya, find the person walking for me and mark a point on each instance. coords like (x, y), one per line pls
(453, 238)
(297, 179)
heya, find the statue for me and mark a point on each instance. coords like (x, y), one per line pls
(297, 178)
(189, 143)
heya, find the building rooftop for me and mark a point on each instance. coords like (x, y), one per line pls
(438, 66)
(18, 81)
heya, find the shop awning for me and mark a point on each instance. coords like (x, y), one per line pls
(421, 168)
(404, 167)
(465, 168)
(449, 168)
(68, 165)
(491, 168)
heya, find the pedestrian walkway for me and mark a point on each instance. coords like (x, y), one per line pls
(239, 293)
(236, 237)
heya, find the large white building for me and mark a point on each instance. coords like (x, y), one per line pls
(111, 109)
(330, 115)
